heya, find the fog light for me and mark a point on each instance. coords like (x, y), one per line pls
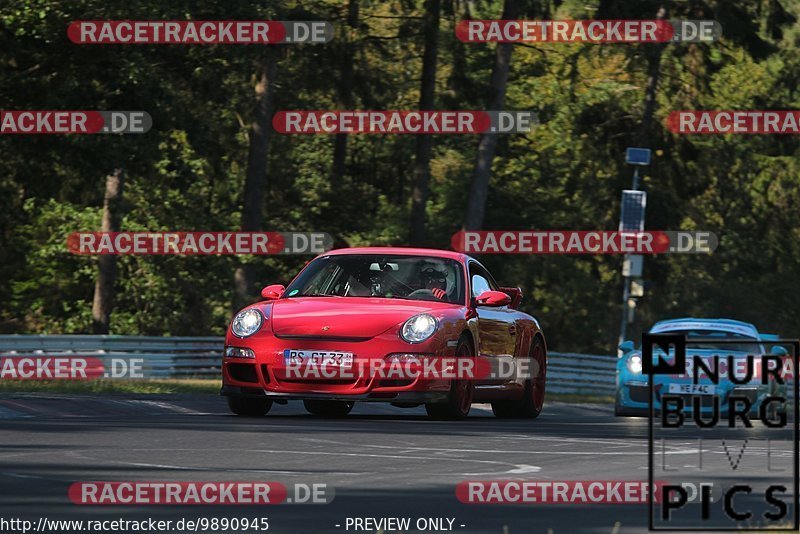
(239, 352)
(404, 357)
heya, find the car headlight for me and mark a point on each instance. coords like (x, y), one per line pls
(635, 364)
(418, 328)
(247, 322)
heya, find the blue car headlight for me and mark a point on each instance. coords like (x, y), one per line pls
(635, 364)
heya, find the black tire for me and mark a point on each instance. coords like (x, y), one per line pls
(459, 400)
(532, 402)
(248, 407)
(328, 408)
(507, 409)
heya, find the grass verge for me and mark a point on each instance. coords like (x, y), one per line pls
(140, 387)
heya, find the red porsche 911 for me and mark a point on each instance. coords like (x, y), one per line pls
(392, 325)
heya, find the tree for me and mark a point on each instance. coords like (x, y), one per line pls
(653, 72)
(256, 178)
(345, 91)
(479, 188)
(211, 163)
(103, 301)
(424, 143)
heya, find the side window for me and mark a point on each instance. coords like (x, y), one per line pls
(479, 285)
(480, 280)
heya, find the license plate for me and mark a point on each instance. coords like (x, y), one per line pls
(693, 389)
(321, 358)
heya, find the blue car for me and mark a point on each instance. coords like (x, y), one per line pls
(633, 389)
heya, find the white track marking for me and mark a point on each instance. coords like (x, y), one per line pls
(677, 449)
(289, 452)
(76, 454)
(169, 407)
(20, 475)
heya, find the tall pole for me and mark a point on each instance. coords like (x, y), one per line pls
(653, 74)
(626, 280)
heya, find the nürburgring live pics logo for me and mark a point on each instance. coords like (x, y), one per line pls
(723, 433)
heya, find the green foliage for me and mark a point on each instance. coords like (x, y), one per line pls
(185, 386)
(52, 293)
(188, 172)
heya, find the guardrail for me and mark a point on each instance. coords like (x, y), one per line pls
(184, 357)
(162, 357)
(582, 374)
(202, 356)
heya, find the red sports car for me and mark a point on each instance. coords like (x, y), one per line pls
(376, 325)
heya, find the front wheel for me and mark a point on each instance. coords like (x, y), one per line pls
(328, 408)
(247, 407)
(459, 400)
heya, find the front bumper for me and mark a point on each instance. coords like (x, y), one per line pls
(267, 375)
(635, 395)
(410, 397)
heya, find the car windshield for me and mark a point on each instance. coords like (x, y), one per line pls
(717, 340)
(387, 276)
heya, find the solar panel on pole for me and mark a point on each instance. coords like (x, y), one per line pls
(633, 207)
(637, 156)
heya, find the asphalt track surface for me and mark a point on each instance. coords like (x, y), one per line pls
(382, 461)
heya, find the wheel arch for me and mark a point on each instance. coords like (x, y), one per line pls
(540, 335)
(470, 336)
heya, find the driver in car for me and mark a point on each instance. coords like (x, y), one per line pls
(435, 281)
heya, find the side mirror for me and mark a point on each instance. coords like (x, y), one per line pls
(626, 346)
(493, 299)
(777, 350)
(516, 296)
(272, 292)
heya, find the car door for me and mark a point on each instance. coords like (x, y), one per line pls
(496, 325)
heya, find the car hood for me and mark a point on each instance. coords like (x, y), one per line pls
(344, 317)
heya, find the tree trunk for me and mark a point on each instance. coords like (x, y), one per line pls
(458, 79)
(653, 73)
(103, 301)
(479, 189)
(345, 89)
(256, 178)
(424, 147)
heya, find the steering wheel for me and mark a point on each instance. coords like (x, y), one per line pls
(423, 294)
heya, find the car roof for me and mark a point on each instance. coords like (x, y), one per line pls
(400, 251)
(725, 325)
